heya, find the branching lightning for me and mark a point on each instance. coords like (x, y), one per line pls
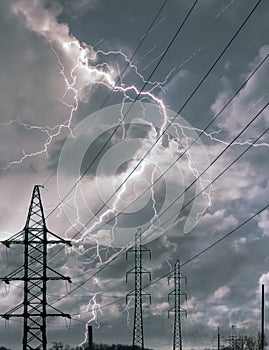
(93, 307)
(104, 74)
(126, 309)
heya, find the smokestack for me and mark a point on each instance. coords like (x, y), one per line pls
(90, 343)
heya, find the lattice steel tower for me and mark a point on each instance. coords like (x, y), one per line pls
(35, 273)
(138, 293)
(177, 309)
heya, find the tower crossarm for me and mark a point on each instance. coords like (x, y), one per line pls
(180, 309)
(174, 293)
(133, 294)
(58, 239)
(13, 276)
(133, 271)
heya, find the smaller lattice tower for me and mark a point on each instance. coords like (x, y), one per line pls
(138, 293)
(177, 309)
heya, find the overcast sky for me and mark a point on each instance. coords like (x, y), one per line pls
(66, 81)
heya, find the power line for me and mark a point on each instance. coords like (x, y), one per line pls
(226, 168)
(214, 161)
(192, 143)
(220, 174)
(232, 163)
(200, 134)
(183, 106)
(215, 243)
(118, 126)
(225, 236)
(160, 60)
(144, 36)
(216, 61)
(200, 253)
(169, 124)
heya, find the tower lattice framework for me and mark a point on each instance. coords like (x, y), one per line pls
(35, 273)
(138, 293)
(177, 309)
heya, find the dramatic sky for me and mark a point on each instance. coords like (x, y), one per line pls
(68, 76)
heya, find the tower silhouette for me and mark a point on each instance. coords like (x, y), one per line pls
(138, 293)
(177, 309)
(35, 273)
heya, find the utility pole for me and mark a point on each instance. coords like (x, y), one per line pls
(35, 273)
(138, 293)
(218, 339)
(177, 309)
(262, 319)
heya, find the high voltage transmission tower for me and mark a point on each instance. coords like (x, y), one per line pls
(138, 293)
(177, 309)
(35, 237)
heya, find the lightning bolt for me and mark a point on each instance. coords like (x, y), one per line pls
(127, 96)
(169, 264)
(100, 77)
(154, 203)
(93, 307)
(128, 319)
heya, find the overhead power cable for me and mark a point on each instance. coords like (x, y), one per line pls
(226, 168)
(145, 35)
(173, 119)
(186, 149)
(223, 51)
(242, 224)
(160, 60)
(120, 123)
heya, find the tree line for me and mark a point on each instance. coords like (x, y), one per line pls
(246, 342)
(61, 346)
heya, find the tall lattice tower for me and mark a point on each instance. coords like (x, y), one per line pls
(35, 273)
(138, 293)
(177, 309)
